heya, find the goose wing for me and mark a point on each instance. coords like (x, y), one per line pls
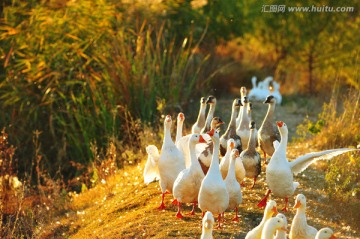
(302, 162)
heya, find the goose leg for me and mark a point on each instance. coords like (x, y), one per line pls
(162, 205)
(262, 203)
(286, 204)
(193, 209)
(174, 202)
(236, 218)
(178, 214)
(219, 220)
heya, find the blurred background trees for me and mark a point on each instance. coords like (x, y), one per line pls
(95, 72)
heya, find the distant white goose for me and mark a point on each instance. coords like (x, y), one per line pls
(207, 226)
(281, 234)
(268, 132)
(271, 226)
(213, 195)
(276, 92)
(232, 185)
(250, 157)
(231, 130)
(299, 227)
(225, 161)
(187, 184)
(179, 126)
(171, 162)
(270, 209)
(261, 90)
(325, 233)
(211, 100)
(151, 170)
(243, 130)
(279, 172)
(200, 122)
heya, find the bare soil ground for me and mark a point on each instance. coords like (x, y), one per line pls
(124, 207)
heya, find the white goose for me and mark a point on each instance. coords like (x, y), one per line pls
(270, 209)
(211, 100)
(299, 227)
(231, 130)
(225, 161)
(281, 234)
(255, 92)
(250, 157)
(243, 130)
(179, 127)
(268, 132)
(171, 162)
(271, 226)
(279, 172)
(325, 233)
(232, 185)
(276, 92)
(200, 122)
(187, 184)
(243, 93)
(207, 226)
(151, 170)
(213, 195)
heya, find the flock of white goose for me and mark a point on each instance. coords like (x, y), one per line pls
(207, 169)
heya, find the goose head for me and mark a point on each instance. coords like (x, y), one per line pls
(270, 100)
(271, 208)
(208, 221)
(181, 117)
(252, 125)
(211, 100)
(277, 223)
(300, 201)
(197, 138)
(168, 122)
(216, 122)
(243, 91)
(230, 144)
(325, 233)
(283, 129)
(153, 151)
(282, 216)
(234, 154)
(203, 101)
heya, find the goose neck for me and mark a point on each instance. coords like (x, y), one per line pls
(214, 166)
(167, 135)
(179, 128)
(252, 139)
(270, 113)
(231, 171)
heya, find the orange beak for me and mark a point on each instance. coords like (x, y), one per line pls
(333, 237)
(274, 209)
(211, 132)
(181, 115)
(280, 123)
(298, 204)
(284, 229)
(232, 145)
(201, 139)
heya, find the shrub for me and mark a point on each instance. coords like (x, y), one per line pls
(338, 126)
(81, 76)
